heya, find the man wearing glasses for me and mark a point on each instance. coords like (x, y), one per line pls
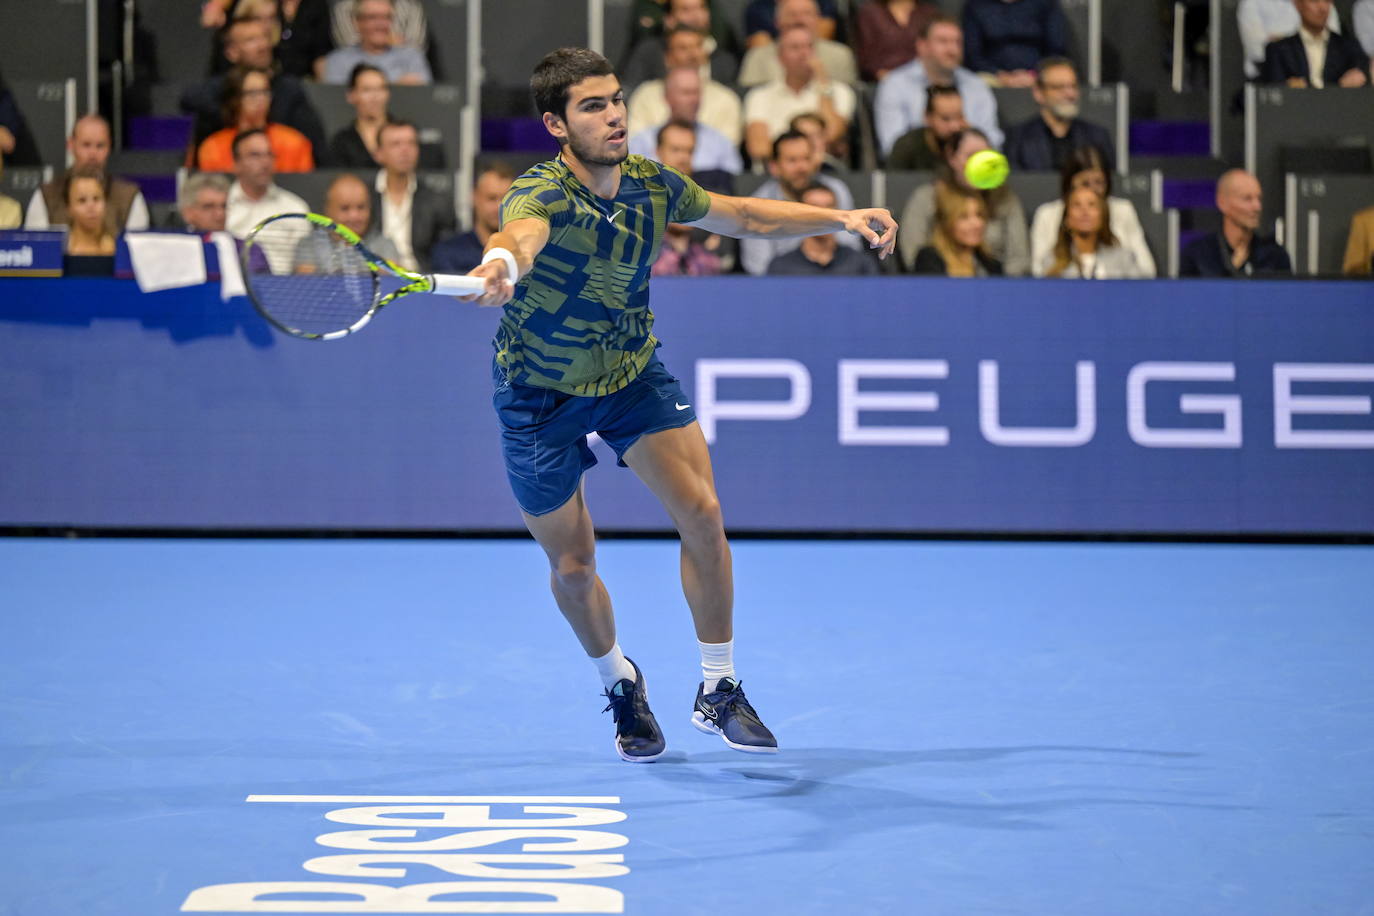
(403, 64)
(1045, 142)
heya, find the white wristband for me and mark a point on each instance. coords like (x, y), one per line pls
(503, 254)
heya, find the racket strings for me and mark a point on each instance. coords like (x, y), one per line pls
(307, 278)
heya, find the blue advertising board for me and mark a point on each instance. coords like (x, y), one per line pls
(876, 405)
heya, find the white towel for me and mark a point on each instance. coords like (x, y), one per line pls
(165, 261)
(230, 273)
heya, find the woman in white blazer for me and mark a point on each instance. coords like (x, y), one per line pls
(1086, 168)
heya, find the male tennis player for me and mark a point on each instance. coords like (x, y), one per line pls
(575, 354)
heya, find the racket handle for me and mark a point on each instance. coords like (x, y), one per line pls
(456, 284)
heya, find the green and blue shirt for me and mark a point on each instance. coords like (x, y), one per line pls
(580, 321)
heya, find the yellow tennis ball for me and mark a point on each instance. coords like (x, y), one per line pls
(986, 169)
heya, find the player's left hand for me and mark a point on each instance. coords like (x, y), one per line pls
(876, 226)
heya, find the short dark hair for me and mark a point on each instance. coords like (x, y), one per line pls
(935, 92)
(674, 124)
(1049, 62)
(359, 69)
(817, 186)
(244, 135)
(499, 167)
(558, 72)
(676, 30)
(1083, 159)
(396, 122)
(932, 22)
(806, 116)
(786, 137)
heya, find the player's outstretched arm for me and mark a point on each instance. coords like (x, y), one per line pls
(524, 239)
(754, 218)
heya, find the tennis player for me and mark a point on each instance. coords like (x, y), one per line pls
(575, 355)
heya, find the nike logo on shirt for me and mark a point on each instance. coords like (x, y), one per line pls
(681, 406)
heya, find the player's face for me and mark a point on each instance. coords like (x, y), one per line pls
(969, 225)
(348, 205)
(795, 165)
(86, 203)
(206, 212)
(947, 119)
(943, 47)
(1084, 214)
(90, 144)
(370, 95)
(676, 148)
(486, 200)
(595, 128)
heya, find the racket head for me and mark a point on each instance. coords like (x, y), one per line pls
(312, 277)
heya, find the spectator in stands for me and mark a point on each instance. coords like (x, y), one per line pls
(1363, 15)
(901, 100)
(686, 252)
(254, 196)
(412, 216)
(885, 34)
(347, 203)
(16, 140)
(646, 60)
(1359, 247)
(1238, 250)
(761, 21)
(1085, 248)
(1005, 39)
(355, 146)
(247, 100)
(299, 30)
(763, 63)
(83, 190)
(459, 254)
(1263, 21)
(958, 245)
(822, 255)
(1316, 57)
(1045, 142)
(714, 152)
(1007, 239)
(248, 44)
(805, 86)
(89, 145)
(203, 202)
(650, 19)
(719, 107)
(922, 149)
(1086, 167)
(408, 23)
(11, 212)
(813, 125)
(402, 63)
(793, 168)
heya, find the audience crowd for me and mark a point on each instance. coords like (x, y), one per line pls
(796, 90)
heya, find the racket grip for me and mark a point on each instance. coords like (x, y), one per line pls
(456, 284)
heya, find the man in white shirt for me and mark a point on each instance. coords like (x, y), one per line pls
(1263, 21)
(901, 100)
(89, 144)
(794, 169)
(804, 87)
(1316, 57)
(720, 107)
(403, 64)
(413, 217)
(254, 196)
(712, 152)
(763, 64)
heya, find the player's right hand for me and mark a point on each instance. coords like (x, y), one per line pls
(499, 289)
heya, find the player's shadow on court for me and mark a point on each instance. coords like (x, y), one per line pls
(848, 791)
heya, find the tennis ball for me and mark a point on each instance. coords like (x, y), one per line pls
(986, 169)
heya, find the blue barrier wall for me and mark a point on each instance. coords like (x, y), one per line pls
(875, 405)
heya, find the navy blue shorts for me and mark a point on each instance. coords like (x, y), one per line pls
(544, 432)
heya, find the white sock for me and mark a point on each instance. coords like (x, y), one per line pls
(717, 661)
(614, 667)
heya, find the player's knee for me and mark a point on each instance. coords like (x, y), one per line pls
(702, 518)
(575, 572)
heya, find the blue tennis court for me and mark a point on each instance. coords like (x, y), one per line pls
(965, 728)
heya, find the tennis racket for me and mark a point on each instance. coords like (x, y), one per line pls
(313, 278)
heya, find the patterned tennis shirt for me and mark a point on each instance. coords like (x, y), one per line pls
(580, 321)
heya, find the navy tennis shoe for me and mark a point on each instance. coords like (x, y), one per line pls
(638, 739)
(726, 712)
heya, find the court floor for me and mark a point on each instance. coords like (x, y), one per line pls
(967, 728)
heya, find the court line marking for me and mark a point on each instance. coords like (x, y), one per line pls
(441, 799)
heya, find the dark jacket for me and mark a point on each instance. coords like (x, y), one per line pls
(431, 218)
(930, 261)
(1012, 36)
(456, 254)
(1210, 256)
(1031, 145)
(1287, 58)
(290, 106)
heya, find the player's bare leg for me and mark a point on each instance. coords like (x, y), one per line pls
(676, 466)
(569, 541)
